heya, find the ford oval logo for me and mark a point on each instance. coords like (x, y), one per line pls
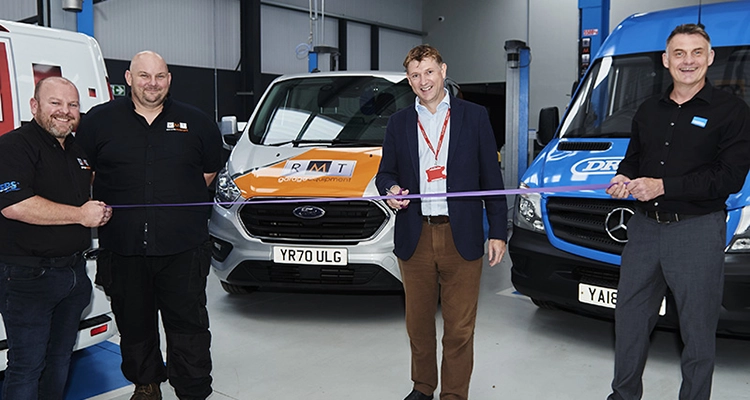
(308, 212)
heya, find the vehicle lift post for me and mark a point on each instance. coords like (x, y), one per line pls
(85, 18)
(594, 24)
(515, 159)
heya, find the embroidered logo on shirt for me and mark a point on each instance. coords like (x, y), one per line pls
(11, 186)
(699, 121)
(177, 126)
(83, 163)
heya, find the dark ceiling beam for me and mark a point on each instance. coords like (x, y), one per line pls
(251, 82)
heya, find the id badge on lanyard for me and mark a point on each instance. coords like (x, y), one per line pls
(436, 172)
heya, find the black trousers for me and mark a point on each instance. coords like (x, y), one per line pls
(688, 258)
(142, 287)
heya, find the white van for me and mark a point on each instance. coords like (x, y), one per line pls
(29, 53)
(311, 136)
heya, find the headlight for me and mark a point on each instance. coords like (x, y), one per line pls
(528, 213)
(740, 242)
(226, 191)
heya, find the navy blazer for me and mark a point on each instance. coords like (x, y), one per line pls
(472, 166)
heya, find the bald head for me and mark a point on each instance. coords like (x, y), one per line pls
(56, 80)
(149, 80)
(148, 57)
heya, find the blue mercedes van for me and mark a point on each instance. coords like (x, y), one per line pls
(566, 246)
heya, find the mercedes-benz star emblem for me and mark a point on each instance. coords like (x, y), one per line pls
(616, 224)
(308, 212)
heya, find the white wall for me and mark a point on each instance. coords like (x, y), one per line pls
(402, 13)
(393, 48)
(17, 10)
(281, 32)
(358, 46)
(205, 33)
(471, 40)
(200, 33)
(14, 10)
(471, 37)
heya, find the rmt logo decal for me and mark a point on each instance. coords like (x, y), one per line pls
(320, 167)
(318, 170)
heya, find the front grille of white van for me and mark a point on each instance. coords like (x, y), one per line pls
(582, 222)
(341, 221)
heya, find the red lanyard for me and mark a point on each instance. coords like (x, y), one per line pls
(442, 134)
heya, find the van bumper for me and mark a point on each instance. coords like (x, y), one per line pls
(549, 275)
(242, 260)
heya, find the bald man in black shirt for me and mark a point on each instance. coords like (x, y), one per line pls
(148, 149)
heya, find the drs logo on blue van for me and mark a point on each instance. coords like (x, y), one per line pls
(595, 166)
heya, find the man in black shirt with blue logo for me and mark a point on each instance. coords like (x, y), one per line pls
(151, 154)
(44, 228)
(688, 152)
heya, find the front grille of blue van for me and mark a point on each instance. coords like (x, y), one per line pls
(582, 221)
(341, 221)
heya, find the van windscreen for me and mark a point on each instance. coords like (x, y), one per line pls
(329, 110)
(614, 87)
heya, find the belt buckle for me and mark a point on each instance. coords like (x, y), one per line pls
(433, 219)
(673, 217)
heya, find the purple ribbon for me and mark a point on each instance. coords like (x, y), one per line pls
(483, 193)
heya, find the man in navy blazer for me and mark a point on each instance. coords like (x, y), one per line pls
(441, 145)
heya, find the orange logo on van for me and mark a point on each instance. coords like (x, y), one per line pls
(315, 173)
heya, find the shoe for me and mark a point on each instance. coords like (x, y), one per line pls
(417, 395)
(152, 391)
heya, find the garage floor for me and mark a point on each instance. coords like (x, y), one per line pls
(336, 347)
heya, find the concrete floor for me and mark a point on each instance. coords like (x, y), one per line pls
(336, 347)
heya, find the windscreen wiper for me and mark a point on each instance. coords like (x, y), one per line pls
(297, 142)
(356, 143)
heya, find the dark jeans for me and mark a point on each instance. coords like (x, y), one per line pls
(41, 308)
(142, 287)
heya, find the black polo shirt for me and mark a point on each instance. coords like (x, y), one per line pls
(148, 167)
(701, 149)
(34, 164)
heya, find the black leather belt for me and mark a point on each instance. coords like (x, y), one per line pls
(663, 217)
(436, 219)
(47, 262)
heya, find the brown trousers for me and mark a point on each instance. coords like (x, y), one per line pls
(437, 269)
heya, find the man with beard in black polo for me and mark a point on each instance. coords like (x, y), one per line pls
(44, 229)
